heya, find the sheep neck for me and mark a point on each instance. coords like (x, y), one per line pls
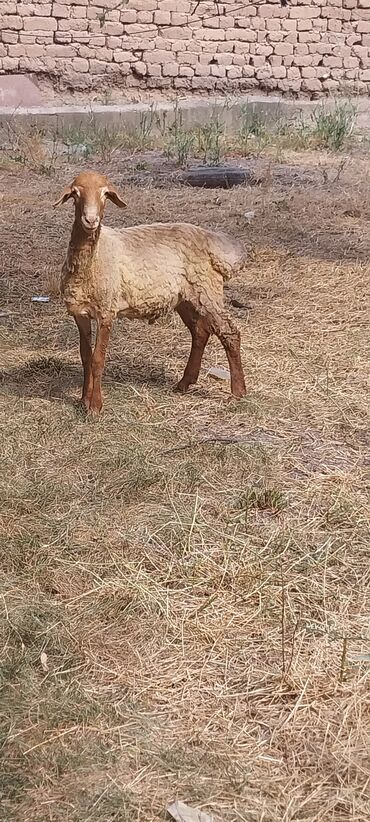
(82, 248)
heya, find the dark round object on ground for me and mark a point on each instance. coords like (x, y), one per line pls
(217, 177)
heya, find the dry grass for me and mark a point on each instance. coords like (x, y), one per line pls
(196, 570)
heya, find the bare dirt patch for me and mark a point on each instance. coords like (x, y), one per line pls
(185, 583)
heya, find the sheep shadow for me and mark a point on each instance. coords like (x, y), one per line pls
(45, 378)
(52, 378)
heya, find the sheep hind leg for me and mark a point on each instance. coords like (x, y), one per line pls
(84, 327)
(229, 335)
(200, 333)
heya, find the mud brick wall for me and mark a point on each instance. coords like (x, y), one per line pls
(314, 47)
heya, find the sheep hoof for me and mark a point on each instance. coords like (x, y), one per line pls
(95, 410)
(238, 393)
(181, 387)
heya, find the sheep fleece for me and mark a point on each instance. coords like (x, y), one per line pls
(145, 270)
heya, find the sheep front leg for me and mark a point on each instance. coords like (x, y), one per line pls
(84, 327)
(98, 361)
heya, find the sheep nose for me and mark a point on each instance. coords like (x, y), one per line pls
(91, 222)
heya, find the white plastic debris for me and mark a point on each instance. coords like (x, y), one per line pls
(218, 373)
(44, 661)
(249, 215)
(40, 299)
(184, 813)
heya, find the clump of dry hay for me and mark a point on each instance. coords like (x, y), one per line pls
(196, 571)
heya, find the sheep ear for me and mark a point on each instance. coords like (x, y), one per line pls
(113, 195)
(66, 194)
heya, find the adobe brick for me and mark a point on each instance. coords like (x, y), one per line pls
(279, 72)
(145, 5)
(202, 83)
(234, 73)
(162, 18)
(9, 36)
(60, 10)
(8, 8)
(121, 56)
(139, 28)
(269, 10)
(212, 34)
(155, 56)
(186, 71)
(80, 65)
(311, 85)
(12, 22)
(145, 16)
(39, 24)
(77, 12)
(178, 19)
(10, 63)
(276, 37)
(71, 26)
(177, 32)
(170, 69)
(154, 70)
(218, 71)
(284, 48)
(304, 12)
(128, 16)
(241, 35)
(113, 29)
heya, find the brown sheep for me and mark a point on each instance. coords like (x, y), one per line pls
(143, 271)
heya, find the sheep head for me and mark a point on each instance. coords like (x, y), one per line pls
(90, 192)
